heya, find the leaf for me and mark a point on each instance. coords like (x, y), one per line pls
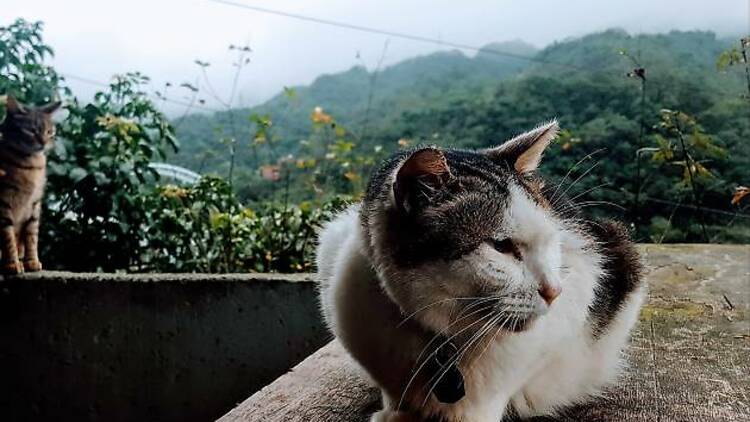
(77, 174)
(728, 58)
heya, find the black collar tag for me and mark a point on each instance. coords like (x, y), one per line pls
(450, 386)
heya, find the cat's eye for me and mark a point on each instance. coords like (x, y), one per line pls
(504, 246)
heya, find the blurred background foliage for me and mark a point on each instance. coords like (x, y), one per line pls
(656, 130)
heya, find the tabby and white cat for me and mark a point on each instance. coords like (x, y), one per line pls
(468, 291)
(27, 133)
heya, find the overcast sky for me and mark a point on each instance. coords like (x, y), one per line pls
(162, 38)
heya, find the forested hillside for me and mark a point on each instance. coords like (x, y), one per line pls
(591, 85)
(356, 97)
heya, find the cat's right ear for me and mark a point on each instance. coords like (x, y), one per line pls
(13, 106)
(524, 152)
(50, 108)
(421, 174)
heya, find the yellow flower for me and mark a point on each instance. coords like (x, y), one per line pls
(318, 116)
(403, 142)
(173, 192)
(248, 213)
(118, 125)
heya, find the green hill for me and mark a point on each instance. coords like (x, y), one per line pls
(355, 97)
(678, 64)
(450, 98)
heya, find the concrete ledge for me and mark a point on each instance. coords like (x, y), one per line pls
(66, 277)
(690, 356)
(166, 347)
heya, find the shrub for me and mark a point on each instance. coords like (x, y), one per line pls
(204, 228)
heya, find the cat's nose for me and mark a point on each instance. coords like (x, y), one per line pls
(549, 292)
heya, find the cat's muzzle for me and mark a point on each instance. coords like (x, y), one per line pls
(519, 311)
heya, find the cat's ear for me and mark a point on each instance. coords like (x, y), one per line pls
(424, 172)
(524, 152)
(50, 108)
(13, 106)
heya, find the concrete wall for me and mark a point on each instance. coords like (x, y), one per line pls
(148, 348)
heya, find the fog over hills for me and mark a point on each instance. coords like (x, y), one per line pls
(98, 42)
(380, 99)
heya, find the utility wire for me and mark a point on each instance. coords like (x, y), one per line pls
(353, 27)
(693, 207)
(394, 34)
(161, 97)
(648, 198)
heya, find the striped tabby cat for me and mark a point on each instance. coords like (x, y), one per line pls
(25, 136)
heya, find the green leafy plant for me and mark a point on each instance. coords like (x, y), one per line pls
(23, 72)
(683, 144)
(98, 172)
(204, 228)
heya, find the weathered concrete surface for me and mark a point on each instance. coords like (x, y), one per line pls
(169, 347)
(690, 356)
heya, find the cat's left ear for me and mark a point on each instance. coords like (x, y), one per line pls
(420, 175)
(50, 108)
(13, 106)
(524, 152)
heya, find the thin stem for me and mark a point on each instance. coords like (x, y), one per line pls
(669, 222)
(691, 178)
(371, 92)
(745, 42)
(636, 199)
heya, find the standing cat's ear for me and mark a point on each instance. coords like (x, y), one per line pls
(524, 152)
(50, 108)
(421, 174)
(13, 106)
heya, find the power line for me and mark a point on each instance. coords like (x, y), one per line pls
(394, 34)
(161, 97)
(693, 207)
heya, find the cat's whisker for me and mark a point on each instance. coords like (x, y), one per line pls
(414, 376)
(589, 190)
(437, 336)
(488, 343)
(450, 299)
(578, 179)
(491, 320)
(594, 203)
(478, 302)
(501, 327)
(445, 330)
(570, 170)
(459, 353)
(586, 204)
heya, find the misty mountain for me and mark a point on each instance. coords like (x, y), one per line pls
(422, 96)
(353, 97)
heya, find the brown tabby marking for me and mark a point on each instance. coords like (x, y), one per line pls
(25, 135)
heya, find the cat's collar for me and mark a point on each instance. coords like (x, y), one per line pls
(449, 387)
